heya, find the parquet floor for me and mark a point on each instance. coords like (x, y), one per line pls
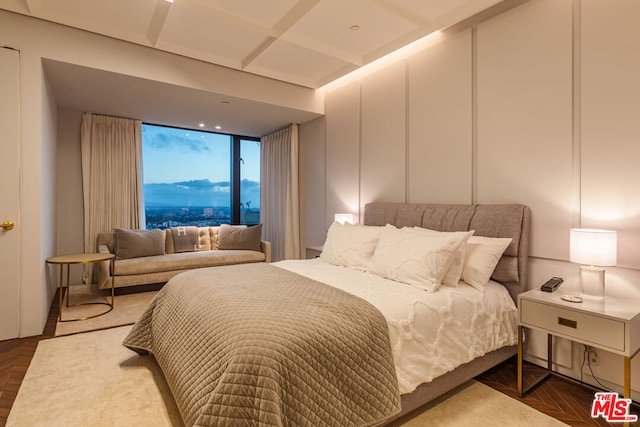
(15, 357)
(561, 399)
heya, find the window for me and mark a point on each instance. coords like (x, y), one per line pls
(249, 181)
(192, 177)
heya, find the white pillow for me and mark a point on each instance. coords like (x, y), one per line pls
(350, 245)
(454, 273)
(481, 257)
(415, 257)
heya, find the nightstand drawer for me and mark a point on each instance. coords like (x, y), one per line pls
(600, 331)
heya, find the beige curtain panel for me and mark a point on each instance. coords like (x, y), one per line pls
(111, 176)
(279, 198)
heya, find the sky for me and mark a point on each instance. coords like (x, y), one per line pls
(177, 155)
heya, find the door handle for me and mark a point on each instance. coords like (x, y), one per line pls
(7, 225)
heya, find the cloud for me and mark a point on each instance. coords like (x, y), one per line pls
(200, 184)
(249, 185)
(163, 138)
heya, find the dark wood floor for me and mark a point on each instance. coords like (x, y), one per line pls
(15, 357)
(561, 399)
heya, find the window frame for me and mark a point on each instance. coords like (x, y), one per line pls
(236, 164)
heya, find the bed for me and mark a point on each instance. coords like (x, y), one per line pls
(274, 345)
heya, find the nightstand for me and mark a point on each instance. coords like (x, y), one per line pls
(611, 324)
(313, 252)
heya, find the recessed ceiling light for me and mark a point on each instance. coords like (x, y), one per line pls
(354, 27)
(201, 125)
(225, 103)
(218, 127)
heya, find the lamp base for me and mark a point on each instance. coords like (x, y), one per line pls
(592, 279)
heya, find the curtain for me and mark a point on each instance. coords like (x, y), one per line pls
(279, 204)
(111, 176)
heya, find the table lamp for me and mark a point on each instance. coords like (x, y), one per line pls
(344, 218)
(594, 249)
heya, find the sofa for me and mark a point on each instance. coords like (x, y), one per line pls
(152, 256)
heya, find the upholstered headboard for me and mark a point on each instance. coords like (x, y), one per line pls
(501, 220)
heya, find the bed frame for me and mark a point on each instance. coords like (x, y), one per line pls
(499, 220)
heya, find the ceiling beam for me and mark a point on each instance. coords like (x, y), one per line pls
(282, 26)
(255, 53)
(34, 7)
(293, 16)
(158, 20)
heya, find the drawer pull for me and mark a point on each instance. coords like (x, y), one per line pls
(566, 322)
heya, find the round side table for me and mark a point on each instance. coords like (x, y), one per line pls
(67, 260)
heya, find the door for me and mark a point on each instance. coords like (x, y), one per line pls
(10, 194)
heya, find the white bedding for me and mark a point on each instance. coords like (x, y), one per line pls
(431, 333)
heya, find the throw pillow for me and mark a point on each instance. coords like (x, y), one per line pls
(416, 258)
(230, 237)
(481, 257)
(454, 273)
(350, 245)
(185, 239)
(138, 243)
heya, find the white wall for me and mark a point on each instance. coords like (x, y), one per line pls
(69, 206)
(537, 106)
(524, 120)
(342, 153)
(40, 224)
(440, 138)
(312, 182)
(48, 212)
(383, 135)
(610, 125)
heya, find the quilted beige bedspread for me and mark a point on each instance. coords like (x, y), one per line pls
(258, 345)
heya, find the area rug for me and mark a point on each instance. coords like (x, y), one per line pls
(91, 379)
(475, 404)
(126, 310)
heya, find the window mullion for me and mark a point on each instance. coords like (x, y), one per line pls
(235, 180)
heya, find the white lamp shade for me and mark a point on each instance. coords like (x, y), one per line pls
(344, 218)
(593, 247)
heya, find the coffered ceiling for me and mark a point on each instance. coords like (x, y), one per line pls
(305, 42)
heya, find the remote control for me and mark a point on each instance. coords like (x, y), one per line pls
(551, 284)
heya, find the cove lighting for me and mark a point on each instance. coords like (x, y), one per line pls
(386, 60)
